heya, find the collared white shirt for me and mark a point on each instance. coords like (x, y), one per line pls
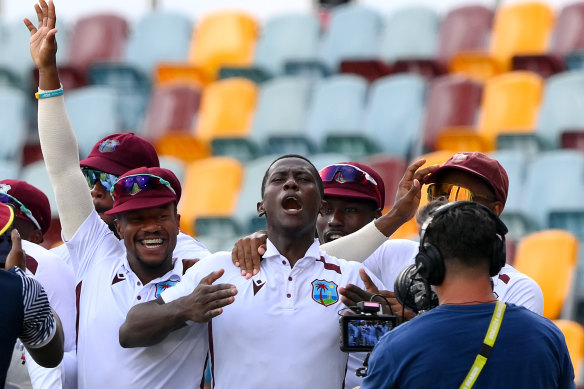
(282, 331)
(109, 289)
(512, 286)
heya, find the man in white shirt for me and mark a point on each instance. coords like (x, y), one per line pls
(32, 220)
(282, 329)
(112, 277)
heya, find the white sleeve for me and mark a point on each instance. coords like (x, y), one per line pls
(526, 293)
(188, 247)
(41, 377)
(61, 155)
(187, 284)
(357, 246)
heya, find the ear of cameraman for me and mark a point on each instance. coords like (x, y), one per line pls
(25, 311)
(462, 247)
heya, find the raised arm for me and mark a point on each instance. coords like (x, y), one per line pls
(150, 323)
(58, 142)
(359, 245)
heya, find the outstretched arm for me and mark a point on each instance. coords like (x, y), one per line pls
(149, 323)
(58, 142)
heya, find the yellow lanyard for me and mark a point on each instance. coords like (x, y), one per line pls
(486, 348)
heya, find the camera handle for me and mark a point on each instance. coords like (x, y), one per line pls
(362, 371)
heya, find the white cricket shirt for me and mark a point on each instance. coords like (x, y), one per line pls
(282, 331)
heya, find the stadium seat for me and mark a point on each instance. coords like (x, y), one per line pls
(223, 38)
(210, 189)
(172, 107)
(96, 38)
(465, 28)
(279, 122)
(549, 257)
(9, 169)
(353, 33)
(409, 38)
(509, 105)
(574, 334)
(520, 28)
(391, 169)
(393, 113)
(182, 145)
(14, 112)
(562, 103)
(93, 113)
(453, 101)
(15, 62)
(335, 113)
(173, 164)
(227, 108)
(36, 173)
(285, 38)
(566, 39)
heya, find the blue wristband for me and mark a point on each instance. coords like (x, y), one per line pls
(51, 93)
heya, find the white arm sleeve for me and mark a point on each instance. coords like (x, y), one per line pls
(357, 246)
(61, 155)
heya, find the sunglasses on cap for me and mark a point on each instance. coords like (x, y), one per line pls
(19, 208)
(131, 185)
(107, 180)
(454, 193)
(344, 173)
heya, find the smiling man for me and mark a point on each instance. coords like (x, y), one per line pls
(282, 329)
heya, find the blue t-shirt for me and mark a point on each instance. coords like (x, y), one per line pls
(438, 348)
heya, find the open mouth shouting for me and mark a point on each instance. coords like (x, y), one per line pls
(332, 235)
(292, 205)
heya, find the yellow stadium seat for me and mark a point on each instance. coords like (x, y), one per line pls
(181, 145)
(227, 109)
(574, 334)
(550, 258)
(225, 38)
(210, 189)
(460, 139)
(522, 28)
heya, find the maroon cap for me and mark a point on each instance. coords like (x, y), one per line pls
(149, 197)
(346, 188)
(479, 164)
(32, 198)
(6, 217)
(118, 153)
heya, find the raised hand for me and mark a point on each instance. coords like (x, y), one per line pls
(16, 256)
(43, 45)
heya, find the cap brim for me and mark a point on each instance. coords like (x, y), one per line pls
(349, 194)
(104, 165)
(434, 176)
(140, 203)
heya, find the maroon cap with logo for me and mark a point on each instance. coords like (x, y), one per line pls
(32, 198)
(118, 153)
(129, 195)
(346, 188)
(481, 165)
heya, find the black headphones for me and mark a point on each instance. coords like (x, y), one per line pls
(413, 292)
(429, 261)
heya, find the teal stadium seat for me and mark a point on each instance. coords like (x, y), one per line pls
(36, 173)
(93, 111)
(14, 112)
(394, 113)
(353, 34)
(9, 169)
(278, 125)
(335, 115)
(560, 111)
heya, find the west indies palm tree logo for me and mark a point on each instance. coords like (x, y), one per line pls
(324, 292)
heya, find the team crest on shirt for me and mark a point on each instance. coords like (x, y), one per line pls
(108, 145)
(162, 286)
(324, 292)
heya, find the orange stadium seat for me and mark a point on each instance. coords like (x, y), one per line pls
(522, 28)
(550, 258)
(225, 38)
(227, 108)
(182, 145)
(574, 334)
(510, 104)
(210, 189)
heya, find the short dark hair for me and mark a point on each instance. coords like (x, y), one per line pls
(467, 234)
(312, 167)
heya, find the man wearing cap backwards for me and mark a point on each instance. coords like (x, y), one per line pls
(282, 329)
(113, 278)
(25, 310)
(32, 220)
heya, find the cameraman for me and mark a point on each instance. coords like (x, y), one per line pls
(25, 309)
(462, 245)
